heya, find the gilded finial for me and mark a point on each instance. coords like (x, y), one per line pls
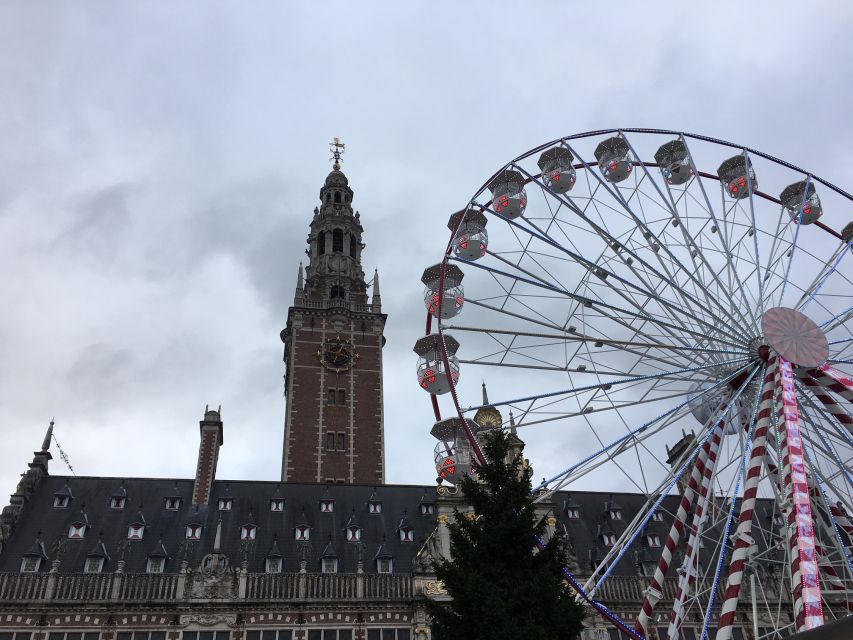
(337, 148)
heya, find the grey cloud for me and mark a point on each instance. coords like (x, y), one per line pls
(160, 166)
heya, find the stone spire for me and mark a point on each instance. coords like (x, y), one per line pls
(217, 539)
(377, 297)
(45, 445)
(488, 417)
(300, 287)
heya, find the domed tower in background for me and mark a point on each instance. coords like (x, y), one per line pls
(333, 351)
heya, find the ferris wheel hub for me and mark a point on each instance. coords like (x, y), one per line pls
(758, 348)
(795, 337)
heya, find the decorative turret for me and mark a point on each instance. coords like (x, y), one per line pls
(28, 483)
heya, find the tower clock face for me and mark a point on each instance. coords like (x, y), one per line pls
(337, 354)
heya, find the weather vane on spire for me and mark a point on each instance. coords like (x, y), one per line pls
(337, 148)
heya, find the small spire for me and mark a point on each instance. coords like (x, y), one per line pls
(300, 283)
(485, 395)
(377, 297)
(217, 540)
(511, 422)
(45, 445)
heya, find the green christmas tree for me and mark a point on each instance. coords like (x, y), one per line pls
(502, 587)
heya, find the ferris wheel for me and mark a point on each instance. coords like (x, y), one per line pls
(669, 315)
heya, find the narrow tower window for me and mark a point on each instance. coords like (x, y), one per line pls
(337, 291)
(352, 242)
(321, 243)
(337, 241)
(337, 197)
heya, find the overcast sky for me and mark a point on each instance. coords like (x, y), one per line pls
(159, 163)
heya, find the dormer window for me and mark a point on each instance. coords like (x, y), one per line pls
(117, 503)
(573, 513)
(302, 533)
(615, 514)
(407, 534)
(30, 564)
(327, 506)
(653, 540)
(155, 565)
(135, 531)
(225, 504)
(77, 531)
(277, 504)
(94, 564)
(274, 565)
(248, 532)
(427, 508)
(173, 503)
(194, 531)
(329, 565)
(60, 501)
(353, 534)
(374, 507)
(609, 539)
(657, 516)
(384, 565)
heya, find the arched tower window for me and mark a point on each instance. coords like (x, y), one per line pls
(321, 243)
(337, 241)
(337, 291)
(337, 196)
(352, 242)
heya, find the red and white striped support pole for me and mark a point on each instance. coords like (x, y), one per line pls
(654, 592)
(834, 380)
(743, 534)
(818, 388)
(805, 577)
(687, 569)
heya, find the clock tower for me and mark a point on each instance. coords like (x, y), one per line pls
(333, 340)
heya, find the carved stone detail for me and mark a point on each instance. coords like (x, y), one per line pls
(435, 588)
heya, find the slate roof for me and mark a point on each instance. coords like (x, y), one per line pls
(166, 529)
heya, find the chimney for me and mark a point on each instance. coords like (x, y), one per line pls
(208, 455)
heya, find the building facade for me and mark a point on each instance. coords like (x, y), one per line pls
(330, 552)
